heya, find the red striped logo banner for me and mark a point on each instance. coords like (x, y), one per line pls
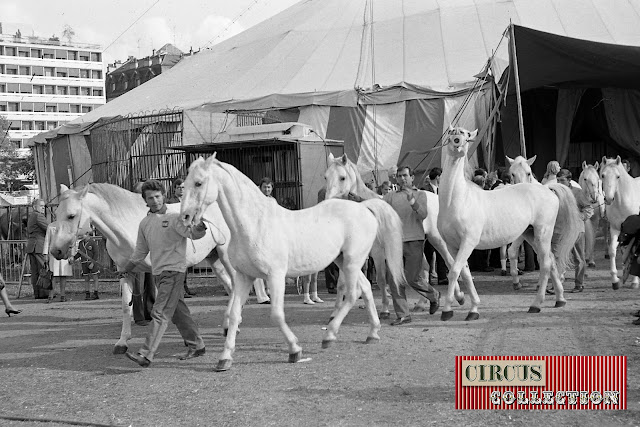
(541, 382)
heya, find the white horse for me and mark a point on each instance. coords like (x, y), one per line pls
(622, 198)
(471, 217)
(520, 169)
(116, 213)
(271, 243)
(343, 178)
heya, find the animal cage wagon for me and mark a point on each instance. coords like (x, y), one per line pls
(291, 154)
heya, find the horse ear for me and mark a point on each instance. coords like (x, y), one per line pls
(618, 160)
(63, 188)
(215, 153)
(344, 159)
(472, 135)
(596, 166)
(510, 160)
(604, 160)
(584, 165)
(331, 158)
(531, 160)
(84, 191)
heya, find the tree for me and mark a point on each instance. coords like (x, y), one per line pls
(68, 33)
(14, 167)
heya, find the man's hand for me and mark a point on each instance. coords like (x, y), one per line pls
(411, 198)
(354, 197)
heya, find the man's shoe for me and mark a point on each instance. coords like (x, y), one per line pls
(434, 305)
(401, 321)
(577, 289)
(332, 291)
(87, 296)
(95, 296)
(193, 353)
(265, 302)
(186, 295)
(139, 359)
(636, 322)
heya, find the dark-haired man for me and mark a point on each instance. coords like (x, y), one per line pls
(163, 236)
(37, 225)
(411, 206)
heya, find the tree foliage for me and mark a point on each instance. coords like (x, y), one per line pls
(15, 167)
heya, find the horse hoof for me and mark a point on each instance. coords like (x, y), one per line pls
(223, 365)
(560, 304)
(384, 315)
(120, 349)
(615, 286)
(446, 315)
(534, 310)
(472, 316)
(327, 343)
(461, 301)
(517, 286)
(295, 357)
(372, 340)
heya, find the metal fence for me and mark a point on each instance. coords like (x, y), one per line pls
(13, 222)
(132, 149)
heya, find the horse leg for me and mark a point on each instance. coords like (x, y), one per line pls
(126, 289)
(557, 284)
(440, 246)
(613, 247)
(349, 275)
(242, 285)
(377, 252)
(590, 240)
(276, 283)
(223, 276)
(513, 261)
(370, 304)
(459, 264)
(542, 246)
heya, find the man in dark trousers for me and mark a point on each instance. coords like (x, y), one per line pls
(163, 237)
(441, 269)
(178, 188)
(36, 230)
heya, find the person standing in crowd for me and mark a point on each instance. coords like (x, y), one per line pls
(37, 225)
(9, 309)
(586, 212)
(163, 237)
(178, 188)
(411, 206)
(437, 265)
(87, 252)
(384, 188)
(62, 269)
(550, 176)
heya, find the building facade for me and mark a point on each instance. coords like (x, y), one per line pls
(45, 83)
(122, 77)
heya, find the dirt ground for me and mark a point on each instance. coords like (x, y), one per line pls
(56, 361)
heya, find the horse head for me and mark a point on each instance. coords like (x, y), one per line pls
(201, 189)
(458, 140)
(610, 172)
(520, 169)
(590, 181)
(71, 221)
(341, 177)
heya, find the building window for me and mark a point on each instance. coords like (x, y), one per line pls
(11, 70)
(13, 88)
(97, 92)
(37, 70)
(47, 55)
(24, 71)
(3, 88)
(49, 90)
(84, 56)
(38, 107)
(74, 72)
(36, 53)
(3, 106)
(26, 107)
(23, 53)
(95, 57)
(16, 143)
(74, 108)
(48, 71)
(27, 125)
(39, 126)
(73, 55)
(84, 74)
(51, 108)
(10, 51)
(62, 90)
(14, 125)
(38, 89)
(74, 90)
(51, 125)
(96, 74)
(85, 91)
(26, 88)
(13, 106)
(86, 108)
(61, 54)
(63, 108)
(62, 73)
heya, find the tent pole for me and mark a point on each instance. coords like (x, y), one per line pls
(523, 146)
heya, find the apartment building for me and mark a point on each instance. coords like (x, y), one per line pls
(47, 82)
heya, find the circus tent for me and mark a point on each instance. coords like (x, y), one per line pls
(385, 76)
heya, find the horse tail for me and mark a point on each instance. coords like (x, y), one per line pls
(567, 228)
(390, 237)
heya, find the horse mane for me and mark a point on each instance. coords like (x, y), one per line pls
(114, 195)
(367, 193)
(238, 177)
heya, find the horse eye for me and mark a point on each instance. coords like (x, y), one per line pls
(71, 216)
(198, 184)
(342, 178)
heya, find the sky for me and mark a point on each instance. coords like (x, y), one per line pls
(184, 23)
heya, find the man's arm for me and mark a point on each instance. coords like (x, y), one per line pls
(140, 253)
(42, 222)
(419, 204)
(192, 232)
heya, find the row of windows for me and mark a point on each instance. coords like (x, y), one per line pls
(48, 53)
(33, 125)
(46, 107)
(50, 89)
(26, 70)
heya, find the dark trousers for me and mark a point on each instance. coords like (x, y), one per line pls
(144, 296)
(331, 276)
(36, 261)
(441, 267)
(530, 258)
